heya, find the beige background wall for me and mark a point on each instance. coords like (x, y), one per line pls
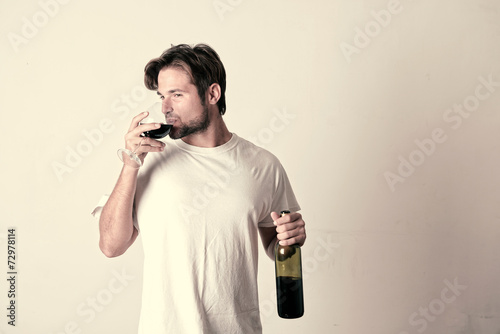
(384, 113)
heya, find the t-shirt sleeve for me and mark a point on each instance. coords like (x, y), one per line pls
(102, 201)
(283, 198)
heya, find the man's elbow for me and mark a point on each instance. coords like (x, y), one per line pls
(109, 251)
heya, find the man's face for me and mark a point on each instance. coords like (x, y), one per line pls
(181, 103)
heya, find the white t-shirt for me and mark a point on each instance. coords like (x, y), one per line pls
(198, 210)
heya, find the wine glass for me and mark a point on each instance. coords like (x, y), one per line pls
(155, 116)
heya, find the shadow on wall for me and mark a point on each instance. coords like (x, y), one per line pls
(484, 324)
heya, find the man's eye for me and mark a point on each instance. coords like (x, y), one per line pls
(162, 97)
(177, 95)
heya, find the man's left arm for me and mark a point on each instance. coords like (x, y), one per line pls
(290, 229)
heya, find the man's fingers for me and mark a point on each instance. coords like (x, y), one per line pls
(137, 119)
(285, 219)
(144, 144)
(287, 234)
(275, 217)
(135, 136)
(149, 145)
(146, 141)
(296, 236)
(292, 241)
(290, 226)
(140, 129)
(147, 149)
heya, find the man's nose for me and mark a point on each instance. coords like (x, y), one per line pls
(166, 105)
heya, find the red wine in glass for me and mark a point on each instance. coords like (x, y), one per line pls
(159, 133)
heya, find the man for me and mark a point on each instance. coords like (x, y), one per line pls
(198, 203)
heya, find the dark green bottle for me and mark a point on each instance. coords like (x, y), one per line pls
(289, 290)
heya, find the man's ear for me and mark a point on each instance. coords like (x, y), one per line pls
(213, 93)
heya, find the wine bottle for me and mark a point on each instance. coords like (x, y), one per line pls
(289, 290)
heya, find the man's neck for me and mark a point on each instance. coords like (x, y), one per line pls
(215, 135)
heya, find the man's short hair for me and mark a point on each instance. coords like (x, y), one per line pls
(202, 64)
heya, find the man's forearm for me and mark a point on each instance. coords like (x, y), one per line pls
(116, 228)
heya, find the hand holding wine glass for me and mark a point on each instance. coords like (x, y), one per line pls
(141, 137)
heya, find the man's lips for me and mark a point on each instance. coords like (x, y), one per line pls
(171, 120)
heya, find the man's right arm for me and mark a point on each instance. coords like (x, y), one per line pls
(116, 225)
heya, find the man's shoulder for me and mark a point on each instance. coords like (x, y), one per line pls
(253, 151)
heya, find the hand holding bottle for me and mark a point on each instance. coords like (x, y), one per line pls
(290, 228)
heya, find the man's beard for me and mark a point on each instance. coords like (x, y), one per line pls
(197, 125)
